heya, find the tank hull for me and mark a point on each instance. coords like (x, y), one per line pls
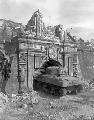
(55, 85)
(50, 79)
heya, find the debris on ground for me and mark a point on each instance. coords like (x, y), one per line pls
(30, 106)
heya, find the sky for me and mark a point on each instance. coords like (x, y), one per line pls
(75, 14)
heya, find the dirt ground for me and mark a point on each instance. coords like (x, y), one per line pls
(47, 107)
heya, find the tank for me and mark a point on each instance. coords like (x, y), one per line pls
(51, 78)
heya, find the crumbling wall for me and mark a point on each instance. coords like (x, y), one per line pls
(12, 84)
(86, 61)
(31, 67)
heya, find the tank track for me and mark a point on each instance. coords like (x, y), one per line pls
(56, 90)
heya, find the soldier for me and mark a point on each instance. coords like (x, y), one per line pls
(5, 74)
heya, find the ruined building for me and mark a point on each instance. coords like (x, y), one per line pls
(35, 24)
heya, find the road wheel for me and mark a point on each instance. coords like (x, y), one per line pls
(44, 87)
(61, 92)
(56, 92)
(52, 91)
(75, 91)
(40, 85)
(48, 89)
(79, 89)
(64, 91)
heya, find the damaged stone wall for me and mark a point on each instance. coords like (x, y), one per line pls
(12, 84)
(31, 66)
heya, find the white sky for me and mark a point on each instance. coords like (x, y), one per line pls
(78, 14)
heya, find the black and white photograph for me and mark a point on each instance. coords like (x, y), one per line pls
(46, 59)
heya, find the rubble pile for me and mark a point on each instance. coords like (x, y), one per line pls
(17, 105)
(25, 99)
(3, 101)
